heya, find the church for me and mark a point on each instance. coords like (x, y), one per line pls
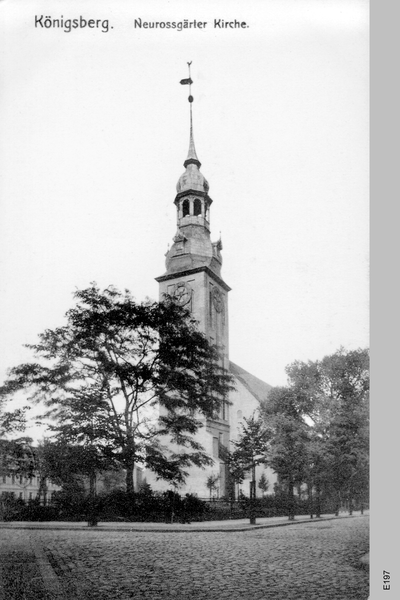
(193, 276)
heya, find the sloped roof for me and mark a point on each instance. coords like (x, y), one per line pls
(257, 387)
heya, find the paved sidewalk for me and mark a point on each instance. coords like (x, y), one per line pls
(224, 526)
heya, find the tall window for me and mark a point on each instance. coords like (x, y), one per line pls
(197, 207)
(185, 208)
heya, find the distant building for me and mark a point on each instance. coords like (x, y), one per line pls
(27, 488)
(19, 478)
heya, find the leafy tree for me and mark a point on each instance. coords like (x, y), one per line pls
(15, 454)
(317, 473)
(11, 422)
(71, 467)
(321, 426)
(112, 480)
(263, 483)
(336, 390)
(288, 455)
(64, 463)
(211, 483)
(251, 449)
(122, 377)
(17, 457)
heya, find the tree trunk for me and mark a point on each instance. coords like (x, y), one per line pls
(310, 499)
(337, 504)
(173, 508)
(92, 512)
(231, 495)
(299, 491)
(130, 488)
(253, 497)
(291, 510)
(318, 502)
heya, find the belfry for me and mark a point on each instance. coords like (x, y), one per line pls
(193, 277)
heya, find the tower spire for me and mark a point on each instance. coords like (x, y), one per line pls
(193, 250)
(192, 156)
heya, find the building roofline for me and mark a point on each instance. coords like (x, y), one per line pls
(257, 387)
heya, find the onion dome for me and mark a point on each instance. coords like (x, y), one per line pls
(192, 179)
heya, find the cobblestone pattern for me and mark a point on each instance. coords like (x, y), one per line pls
(318, 561)
(20, 577)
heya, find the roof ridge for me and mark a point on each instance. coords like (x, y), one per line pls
(256, 386)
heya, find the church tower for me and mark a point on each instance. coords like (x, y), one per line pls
(193, 277)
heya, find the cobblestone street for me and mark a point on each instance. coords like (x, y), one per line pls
(303, 561)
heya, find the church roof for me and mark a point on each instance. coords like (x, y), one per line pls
(257, 387)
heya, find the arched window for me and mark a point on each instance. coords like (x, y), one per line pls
(197, 207)
(185, 208)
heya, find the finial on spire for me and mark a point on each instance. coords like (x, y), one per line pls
(192, 156)
(188, 82)
(190, 91)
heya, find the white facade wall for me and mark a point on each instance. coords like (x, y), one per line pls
(25, 488)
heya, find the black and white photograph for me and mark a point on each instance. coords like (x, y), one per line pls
(184, 306)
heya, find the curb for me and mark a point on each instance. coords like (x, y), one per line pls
(210, 529)
(51, 582)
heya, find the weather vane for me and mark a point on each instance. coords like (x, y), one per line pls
(188, 82)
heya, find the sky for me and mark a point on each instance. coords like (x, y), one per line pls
(95, 130)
